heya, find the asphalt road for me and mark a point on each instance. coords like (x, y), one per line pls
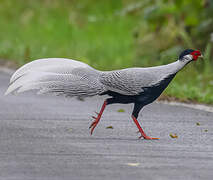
(47, 138)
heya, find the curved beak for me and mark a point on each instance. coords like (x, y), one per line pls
(201, 56)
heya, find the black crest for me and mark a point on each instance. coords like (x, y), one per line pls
(185, 52)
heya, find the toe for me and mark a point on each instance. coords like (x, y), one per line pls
(150, 138)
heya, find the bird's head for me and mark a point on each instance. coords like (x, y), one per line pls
(189, 55)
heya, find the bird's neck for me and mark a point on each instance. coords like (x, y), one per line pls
(176, 66)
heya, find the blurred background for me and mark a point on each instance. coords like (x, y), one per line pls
(114, 34)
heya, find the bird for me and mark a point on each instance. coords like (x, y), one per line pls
(71, 78)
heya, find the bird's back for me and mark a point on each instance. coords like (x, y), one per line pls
(132, 81)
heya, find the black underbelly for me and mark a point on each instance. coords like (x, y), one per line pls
(123, 99)
(147, 96)
(143, 98)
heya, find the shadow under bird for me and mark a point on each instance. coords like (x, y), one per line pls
(59, 76)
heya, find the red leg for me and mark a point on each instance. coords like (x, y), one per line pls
(97, 119)
(143, 134)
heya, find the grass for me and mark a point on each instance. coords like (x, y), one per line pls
(95, 32)
(34, 31)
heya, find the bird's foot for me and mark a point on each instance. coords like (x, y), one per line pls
(143, 134)
(97, 119)
(147, 137)
(94, 123)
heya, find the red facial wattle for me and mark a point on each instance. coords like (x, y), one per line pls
(195, 55)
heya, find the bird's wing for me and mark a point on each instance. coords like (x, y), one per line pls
(133, 81)
(54, 65)
(58, 76)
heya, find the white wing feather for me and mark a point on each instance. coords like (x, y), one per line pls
(56, 65)
(57, 76)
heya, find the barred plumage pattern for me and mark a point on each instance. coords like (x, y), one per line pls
(58, 76)
(73, 78)
(131, 81)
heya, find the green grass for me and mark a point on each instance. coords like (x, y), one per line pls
(30, 31)
(95, 32)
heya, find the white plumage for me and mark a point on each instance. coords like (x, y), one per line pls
(58, 76)
(74, 78)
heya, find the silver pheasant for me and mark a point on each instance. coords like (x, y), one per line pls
(67, 77)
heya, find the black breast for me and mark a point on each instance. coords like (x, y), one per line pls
(148, 95)
(153, 92)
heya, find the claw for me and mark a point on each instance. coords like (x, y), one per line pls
(148, 138)
(141, 130)
(95, 122)
(94, 117)
(93, 125)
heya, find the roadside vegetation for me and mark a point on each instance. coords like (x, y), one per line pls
(114, 34)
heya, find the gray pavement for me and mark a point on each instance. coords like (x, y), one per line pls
(47, 138)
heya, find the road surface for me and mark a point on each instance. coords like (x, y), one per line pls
(47, 138)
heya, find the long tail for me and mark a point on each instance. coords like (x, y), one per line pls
(58, 76)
